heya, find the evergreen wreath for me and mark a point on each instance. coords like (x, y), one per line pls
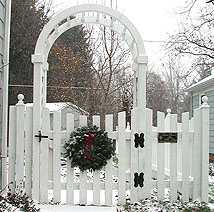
(89, 148)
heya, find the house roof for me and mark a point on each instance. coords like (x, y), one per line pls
(58, 106)
(204, 83)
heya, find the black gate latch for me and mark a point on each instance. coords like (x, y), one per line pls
(40, 136)
(139, 140)
(138, 179)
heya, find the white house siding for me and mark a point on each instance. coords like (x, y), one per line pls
(2, 34)
(210, 95)
(5, 11)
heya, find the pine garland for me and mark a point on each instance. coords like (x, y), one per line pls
(89, 148)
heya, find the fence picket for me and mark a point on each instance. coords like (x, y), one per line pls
(57, 156)
(197, 154)
(173, 160)
(148, 150)
(28, 150)
(44, 155)
(121, 158)
(108, 168)
(70, 171)
(12, 148)
(166, 145)
(191, 129)
(20, 144)
(96, 174)
(179, 150)
(134, 155)
(83, 176)
(185, 157)
(161, 159)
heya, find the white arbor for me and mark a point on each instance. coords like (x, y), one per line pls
(71, 17)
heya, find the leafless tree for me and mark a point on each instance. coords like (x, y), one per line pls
(110, 65)
(157, 93)
(195, 36)
(177, 78)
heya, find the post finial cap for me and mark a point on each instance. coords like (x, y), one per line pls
(205, 99)
(205, 102)
(20, 98)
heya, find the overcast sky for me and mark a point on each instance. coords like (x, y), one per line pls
(154, 19)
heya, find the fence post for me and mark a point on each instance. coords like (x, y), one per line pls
(20, 109)
(205, 149)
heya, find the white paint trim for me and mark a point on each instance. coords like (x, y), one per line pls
(203, 91)
(203, 84)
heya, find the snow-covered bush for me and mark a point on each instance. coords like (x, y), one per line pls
(17, 202)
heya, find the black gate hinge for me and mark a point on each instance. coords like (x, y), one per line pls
(138, 179)
(139, 140)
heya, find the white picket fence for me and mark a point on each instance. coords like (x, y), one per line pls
(181, 166)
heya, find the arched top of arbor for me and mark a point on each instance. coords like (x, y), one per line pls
(89, 13)
(83, 14)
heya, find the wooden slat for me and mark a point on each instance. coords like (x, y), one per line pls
(161, 159)
(191, 124)
(28, 150)
(134, 155)
(96, 174)
(128, 149)
(179, 149)
(179, 146)
(19, 144)
(83, 176)
(197, 154)
(173, 160)
(12, 148)
(185, 156)
(191, 134)
(57, 157)
(50, 161)
(166, 145)
(108, 168)
(154, 147)
(70, 171)
(121, 158)
(37, 119)
(44, 150)
(148, 150)
(141, 116)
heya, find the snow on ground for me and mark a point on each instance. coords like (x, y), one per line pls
(67, 208)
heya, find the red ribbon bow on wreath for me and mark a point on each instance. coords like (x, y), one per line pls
(88, 141)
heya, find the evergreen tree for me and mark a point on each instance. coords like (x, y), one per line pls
(70, 74)
(67, 59)
(27, 20)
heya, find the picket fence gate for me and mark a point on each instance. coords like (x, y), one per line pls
(181, 166)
